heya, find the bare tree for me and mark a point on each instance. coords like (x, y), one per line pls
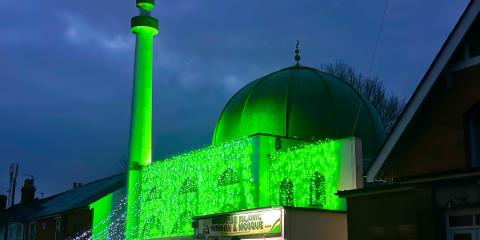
(388, 105)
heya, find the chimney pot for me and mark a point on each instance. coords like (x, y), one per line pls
(28, 191)
(3, 202)
(77, 185)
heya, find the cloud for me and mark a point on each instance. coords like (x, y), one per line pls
(232, 83)
(79, 31)
(67, 68)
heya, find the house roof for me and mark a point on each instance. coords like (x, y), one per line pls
(70, 200)
(423, 89)
(21, 211)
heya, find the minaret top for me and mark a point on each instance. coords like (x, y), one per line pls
(145, 5)
(144, 22)
(297, 53)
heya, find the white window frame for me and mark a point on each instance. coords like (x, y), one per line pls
(30, 230)
(474, 228)
(13, 229)
(473, 233)
(58, 228)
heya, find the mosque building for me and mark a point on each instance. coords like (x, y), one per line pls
(282, 148)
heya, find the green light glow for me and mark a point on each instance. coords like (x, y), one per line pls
(210, 180)
(108, 217)
(146, 6)
(101, 220)
(146, 31)
(141, 121)
(141, 118)
(244, 174)
(305, 167)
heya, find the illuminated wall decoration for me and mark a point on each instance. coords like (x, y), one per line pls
(286, 192)
(206, 181)
(109, 216)
(229, 177)
(313, 167)
(317, 190)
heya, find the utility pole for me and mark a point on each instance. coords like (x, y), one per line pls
(13, 173)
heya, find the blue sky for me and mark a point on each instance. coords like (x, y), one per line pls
(67, 66)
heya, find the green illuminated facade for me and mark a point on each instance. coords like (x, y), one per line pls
(247, 173)
(109, 216)
(291, 138)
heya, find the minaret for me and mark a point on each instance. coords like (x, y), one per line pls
(145, 28)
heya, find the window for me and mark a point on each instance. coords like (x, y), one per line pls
(317, 190)
(463, 224)
(152, 225)
(228, 177)
(183, 222)
(31, 231)
(2, 232)
(286, 192)
(188, 186)
(15, 231)
(472, 129)
(58, 228)
(153, 194)
(474, 41)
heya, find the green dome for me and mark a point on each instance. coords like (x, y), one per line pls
(304, 103)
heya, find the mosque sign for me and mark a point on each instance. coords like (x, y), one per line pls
(256, 222)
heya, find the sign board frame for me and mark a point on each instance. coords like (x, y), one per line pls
(265, 222)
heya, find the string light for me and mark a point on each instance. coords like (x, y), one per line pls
(221, 178)
(294, 168)
(222, 175)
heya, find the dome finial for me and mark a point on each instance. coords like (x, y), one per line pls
(297, 52)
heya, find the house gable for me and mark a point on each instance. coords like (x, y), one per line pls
(426, 139)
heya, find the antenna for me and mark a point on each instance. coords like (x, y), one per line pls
(41, 194)
(13, 172)
(378, 38)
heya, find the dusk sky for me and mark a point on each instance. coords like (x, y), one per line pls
(67, 67)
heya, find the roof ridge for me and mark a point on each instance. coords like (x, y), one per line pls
(423, 88)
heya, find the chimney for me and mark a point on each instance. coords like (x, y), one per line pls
(3, 202)
(28, 191)
(77, 185)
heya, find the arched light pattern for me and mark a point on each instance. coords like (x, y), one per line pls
(206, 181)
(317, 190)
(298, 165)
(286, 193)
(224, 178)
